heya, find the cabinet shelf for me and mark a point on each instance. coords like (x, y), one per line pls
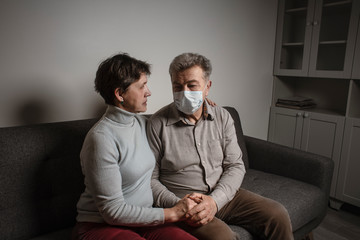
(324, 111)
(294, 44)
(330, 95)
(317, 110)
(338, 3)
(297, 11)
(328, 112)
(337, 42)
(296, 5)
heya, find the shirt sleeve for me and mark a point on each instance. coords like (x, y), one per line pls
(99, 159)
(233, 165)
(162, 196)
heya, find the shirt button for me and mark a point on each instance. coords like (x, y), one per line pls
(199, 144)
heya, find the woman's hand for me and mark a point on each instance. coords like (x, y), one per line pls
(210, 102)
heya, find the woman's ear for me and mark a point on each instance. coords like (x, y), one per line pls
(118, 96)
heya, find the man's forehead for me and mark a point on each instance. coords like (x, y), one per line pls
(178, 81)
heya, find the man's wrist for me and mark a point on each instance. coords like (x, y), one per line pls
(219, 198)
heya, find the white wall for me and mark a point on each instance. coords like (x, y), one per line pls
(50, 50)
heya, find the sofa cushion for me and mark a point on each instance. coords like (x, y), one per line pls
(294, 195)
(242, 233)
(64, 234)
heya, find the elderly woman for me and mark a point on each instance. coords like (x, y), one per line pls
(117, 163)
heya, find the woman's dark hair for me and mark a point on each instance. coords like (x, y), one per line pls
(118, 71)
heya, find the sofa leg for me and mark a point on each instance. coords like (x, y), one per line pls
(308, 236)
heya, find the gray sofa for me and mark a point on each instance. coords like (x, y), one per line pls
(41, 180)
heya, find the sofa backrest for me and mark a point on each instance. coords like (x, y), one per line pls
(240, 135)
(41, 178)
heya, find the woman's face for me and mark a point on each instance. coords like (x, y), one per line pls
(135, 97)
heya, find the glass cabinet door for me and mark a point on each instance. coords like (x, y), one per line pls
(333, 39)
(293, 37)
(356, 64)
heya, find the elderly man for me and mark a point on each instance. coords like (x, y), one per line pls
(196, 150)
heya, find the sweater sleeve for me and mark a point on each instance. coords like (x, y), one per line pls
(99, 159)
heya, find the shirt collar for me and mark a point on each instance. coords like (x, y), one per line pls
(175, 115)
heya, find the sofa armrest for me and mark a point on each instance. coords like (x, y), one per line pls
(292, 163)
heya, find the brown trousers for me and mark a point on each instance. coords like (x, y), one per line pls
(263, 217)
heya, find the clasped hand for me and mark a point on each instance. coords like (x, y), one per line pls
(201, 209)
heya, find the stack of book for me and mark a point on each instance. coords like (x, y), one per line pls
(296, 102)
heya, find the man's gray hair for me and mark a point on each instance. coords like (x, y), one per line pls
(187, 60)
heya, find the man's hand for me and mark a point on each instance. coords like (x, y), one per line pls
(177, 213)
(203, 212)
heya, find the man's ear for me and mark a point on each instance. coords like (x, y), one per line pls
(208, 86)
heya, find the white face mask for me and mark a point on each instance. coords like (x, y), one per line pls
(188, 102)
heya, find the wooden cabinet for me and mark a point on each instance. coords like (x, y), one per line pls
(285, 127)
(320, 129)
(347, 189)
(349, 170)
(317, 56)
(309, 131)
(356, 65)
(316, 38)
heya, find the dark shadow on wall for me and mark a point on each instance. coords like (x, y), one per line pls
(35, 110)
(99, 110)
(32, 111)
